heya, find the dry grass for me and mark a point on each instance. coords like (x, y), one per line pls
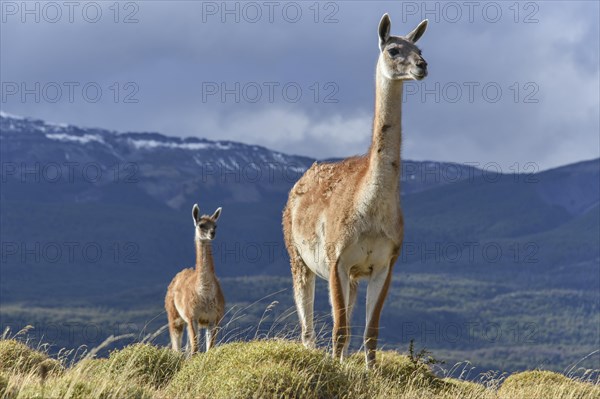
(539, 384)
(270, 368)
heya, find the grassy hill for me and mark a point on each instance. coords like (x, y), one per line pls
(273, 368)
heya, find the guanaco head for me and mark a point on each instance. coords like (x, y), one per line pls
(400, 58)
(206, 226)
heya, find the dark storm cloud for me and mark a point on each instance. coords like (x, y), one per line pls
(178, 53)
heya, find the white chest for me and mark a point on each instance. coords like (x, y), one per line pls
(375, 228)
(367, 255)
(359, 259)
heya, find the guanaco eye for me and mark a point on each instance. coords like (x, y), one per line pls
(202, 225)
(393, 52)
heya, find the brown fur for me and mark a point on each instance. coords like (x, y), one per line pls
(347, 215)
(194, 296)
(372, 330)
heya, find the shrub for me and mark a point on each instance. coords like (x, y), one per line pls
(146, 363)
(393, 375)
(90, 378)
(454, 388)
(540, 384)
(265, 369)
(17, 357)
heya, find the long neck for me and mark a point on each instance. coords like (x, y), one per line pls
(384, 154)
(205, 267)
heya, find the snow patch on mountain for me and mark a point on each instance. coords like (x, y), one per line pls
(154, 144)
(7, 115)
(83, 139)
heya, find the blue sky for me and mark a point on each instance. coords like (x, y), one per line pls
(509, 84)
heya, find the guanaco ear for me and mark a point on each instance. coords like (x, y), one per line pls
(195, 213)
(216, 215)
(418, 31)
(384, 30)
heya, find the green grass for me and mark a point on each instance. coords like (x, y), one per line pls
(273, 368)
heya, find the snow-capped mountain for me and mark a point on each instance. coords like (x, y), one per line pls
(168, 169)
(164, 168)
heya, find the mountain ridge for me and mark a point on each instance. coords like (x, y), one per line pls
(217, 159)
